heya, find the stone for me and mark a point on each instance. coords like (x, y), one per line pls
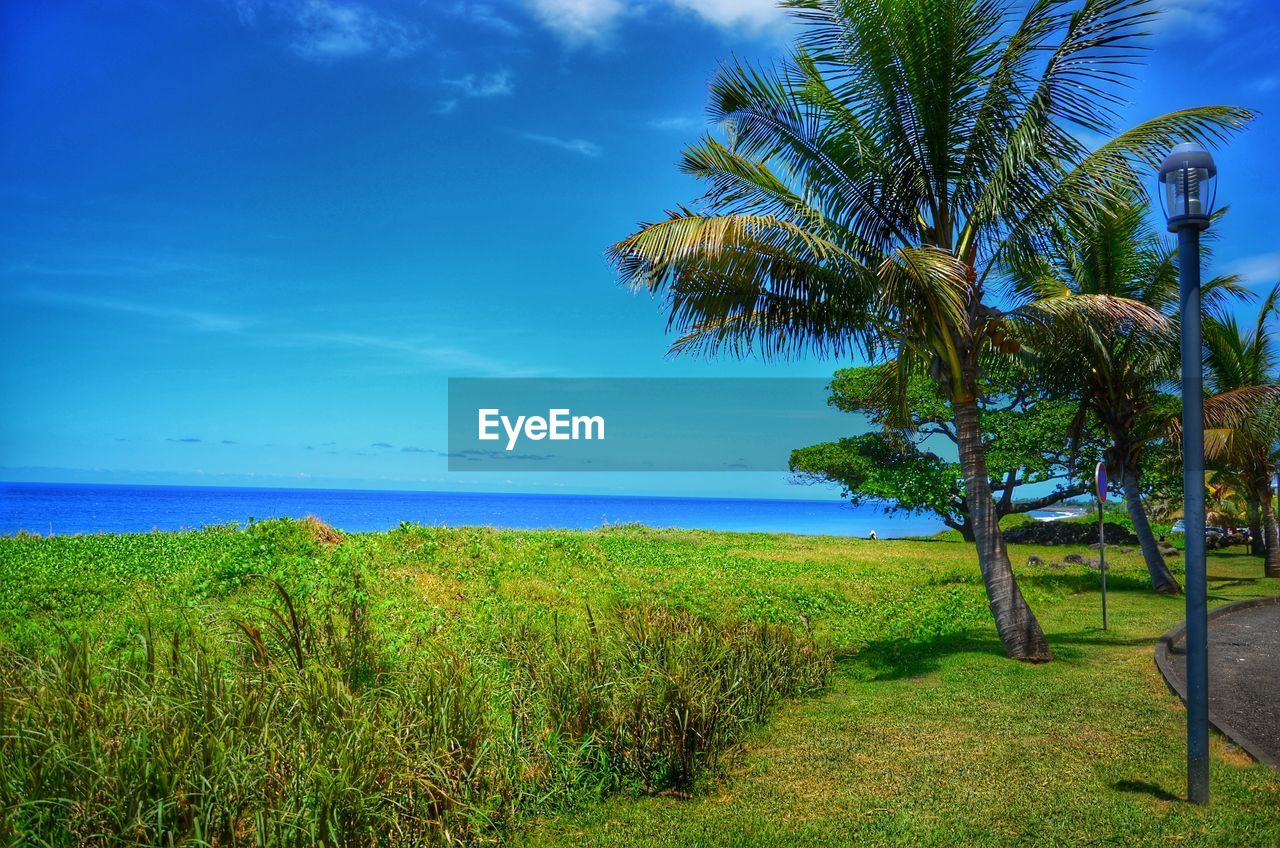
(1067, 533)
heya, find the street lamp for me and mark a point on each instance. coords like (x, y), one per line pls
(1188, 182)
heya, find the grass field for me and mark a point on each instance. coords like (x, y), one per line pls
(923, 734)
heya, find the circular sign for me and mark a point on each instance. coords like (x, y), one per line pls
(1100, 478)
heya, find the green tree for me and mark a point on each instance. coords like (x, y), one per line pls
(896, 467)
(864, 193)
(1241, 360)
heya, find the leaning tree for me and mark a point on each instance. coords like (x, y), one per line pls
(1120, 376)
(864, 194)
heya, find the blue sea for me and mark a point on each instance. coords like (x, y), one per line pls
(64, 508)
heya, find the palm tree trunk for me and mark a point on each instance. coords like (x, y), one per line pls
(1162, 580)
(1019, 631)
(1271, 535)
(1257, 546)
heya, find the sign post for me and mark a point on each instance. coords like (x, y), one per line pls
(1100, 479)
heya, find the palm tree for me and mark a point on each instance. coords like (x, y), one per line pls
(1226, 502)
(1237, 361)
(1120, 378)
(864, 193)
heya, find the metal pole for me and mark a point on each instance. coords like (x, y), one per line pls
(1193, 494)
(1102, 560)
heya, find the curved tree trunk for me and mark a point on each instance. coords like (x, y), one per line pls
(1162, 580)
(1270, 533)
(1019, 631)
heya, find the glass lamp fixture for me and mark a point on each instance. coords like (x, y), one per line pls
(1188, 182)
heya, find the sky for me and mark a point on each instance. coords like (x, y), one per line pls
(246, 242)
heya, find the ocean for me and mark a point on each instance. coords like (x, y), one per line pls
(65, 508)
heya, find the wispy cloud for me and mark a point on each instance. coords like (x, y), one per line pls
(676, 123)
(1263, 85)
(210, 322)
(381, 445)
(1263, 268)
(486, 16)
(594, 21)
(1199, 17)
(445, 358)
(578, 21)
(439, 357)
(493, 84)
(331, 30)
(472, 86)
(105, 266)
(473, 455)
(191, 440)
(574, 145)
(734, 14)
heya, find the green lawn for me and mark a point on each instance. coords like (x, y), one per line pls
(944, 742)
(926, 735)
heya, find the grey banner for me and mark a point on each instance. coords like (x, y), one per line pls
(638, 424)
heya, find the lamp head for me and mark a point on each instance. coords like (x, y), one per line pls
(1188, 183)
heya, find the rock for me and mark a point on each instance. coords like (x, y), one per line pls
(1126, 550)
(1056, 565)
(1095, 546)
(1075, 559)
(1034, 560)
(1171, 554)
(1067, 533)
(1096, 565)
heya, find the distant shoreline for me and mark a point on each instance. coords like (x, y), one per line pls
(1057, 512)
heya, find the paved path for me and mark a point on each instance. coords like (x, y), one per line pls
(1244, 674)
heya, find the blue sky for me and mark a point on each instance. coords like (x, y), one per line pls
(247, 242)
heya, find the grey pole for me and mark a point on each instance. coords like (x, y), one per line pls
(1188, 183)
(1102, 559)
(1193, 512)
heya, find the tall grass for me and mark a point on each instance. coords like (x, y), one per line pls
(297, 727)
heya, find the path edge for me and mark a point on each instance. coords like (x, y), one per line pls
(1164, 647)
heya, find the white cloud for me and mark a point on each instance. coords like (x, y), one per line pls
(493, 84)
(581, 21)
(1198, 17)
(1262, 85)
(729, 14)
(447, 358)
(578, 21)
(677, 123)
(1257, 270)
(209, 322)
(573, 145)
(486, 16)
(440, 357)
(330, 30)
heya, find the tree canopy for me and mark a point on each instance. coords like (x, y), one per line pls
(909, 463)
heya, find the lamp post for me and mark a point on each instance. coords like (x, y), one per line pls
(1187, 185)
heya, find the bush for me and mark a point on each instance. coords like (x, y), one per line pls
(657, 695)
(294, 729)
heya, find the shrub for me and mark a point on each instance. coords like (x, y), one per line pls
(293, 728)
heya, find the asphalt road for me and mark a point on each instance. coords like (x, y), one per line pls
(1244, 677)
